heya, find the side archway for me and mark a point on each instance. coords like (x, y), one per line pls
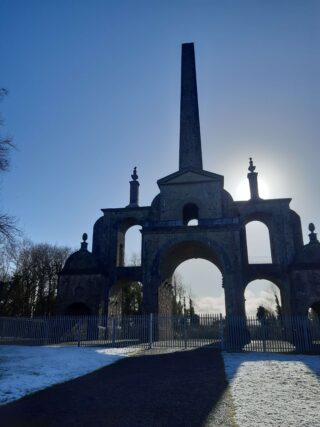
(258, 243)
(263, 293)
(314, 311)
(129, 242)
(125, 298)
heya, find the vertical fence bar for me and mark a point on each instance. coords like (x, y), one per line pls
(46, 335)
(263, 334)
(306, 334)
(221, 337)
(150, 330)
(113, 331)
(185, 332)
(79, 333)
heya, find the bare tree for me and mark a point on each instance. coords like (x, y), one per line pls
(134, 260)
(31, 287)
(8, 227)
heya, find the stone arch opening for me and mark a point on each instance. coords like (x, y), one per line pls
(125, 298)
(177, 253)
(78, 309)
(190, 214)
(129, 243)
(180, 252)
(314, 311)
(132, 248)
(197, 288)
(258, 242)
(263, 293)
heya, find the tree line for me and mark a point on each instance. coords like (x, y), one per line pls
(29, 277)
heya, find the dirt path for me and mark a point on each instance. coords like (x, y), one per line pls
(185, 388)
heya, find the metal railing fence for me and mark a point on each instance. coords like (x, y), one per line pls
(231, 333)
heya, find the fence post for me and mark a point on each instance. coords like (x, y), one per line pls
(79, 333)
(185, 331)
(150, 330)
(46, 337)
(263, 326)
(113, 326)
(306, 336)
(221, 332)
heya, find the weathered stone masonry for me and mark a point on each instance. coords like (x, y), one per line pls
(91, 282)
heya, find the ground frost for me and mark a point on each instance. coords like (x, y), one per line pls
(274, 390)
(24, 370)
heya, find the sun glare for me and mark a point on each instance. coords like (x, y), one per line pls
(243, 191)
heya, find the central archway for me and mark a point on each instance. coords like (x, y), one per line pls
(178, 253)
(198, 288)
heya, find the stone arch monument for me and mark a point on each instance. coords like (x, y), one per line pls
(92, 280)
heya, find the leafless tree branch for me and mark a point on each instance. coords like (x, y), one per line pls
(8, 224)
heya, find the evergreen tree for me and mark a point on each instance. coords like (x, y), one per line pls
(131, 298)
(263, 313)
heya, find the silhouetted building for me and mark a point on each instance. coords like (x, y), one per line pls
(91, 282)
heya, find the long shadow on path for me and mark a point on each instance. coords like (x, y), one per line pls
(175, 389)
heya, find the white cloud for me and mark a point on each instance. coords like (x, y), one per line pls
(205, 305)
(263, 297)
(258, 294)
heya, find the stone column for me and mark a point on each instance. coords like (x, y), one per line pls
(150, 302)
(253, 181)
(234, 295)
(134, 189)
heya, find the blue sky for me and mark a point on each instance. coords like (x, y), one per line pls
(94, 90)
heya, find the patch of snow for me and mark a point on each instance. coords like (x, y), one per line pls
(24, 370)
(274, 389)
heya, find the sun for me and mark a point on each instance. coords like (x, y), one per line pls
(243, 192)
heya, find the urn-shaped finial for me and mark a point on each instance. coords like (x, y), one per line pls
(84, 244)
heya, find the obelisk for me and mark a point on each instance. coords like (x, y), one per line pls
(190, 156)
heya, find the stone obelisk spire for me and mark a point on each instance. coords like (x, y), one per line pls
(190, 155)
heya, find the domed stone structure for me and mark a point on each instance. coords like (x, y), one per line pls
(192, 194)
(81, 261)
(81, 284)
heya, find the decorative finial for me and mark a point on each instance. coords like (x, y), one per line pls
(312, 235)
(251, 168)
(84, 243)
(134, 176)
(253, 180)
(311, 227)
(134, 189)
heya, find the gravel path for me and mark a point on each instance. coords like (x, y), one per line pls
(183, 388)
